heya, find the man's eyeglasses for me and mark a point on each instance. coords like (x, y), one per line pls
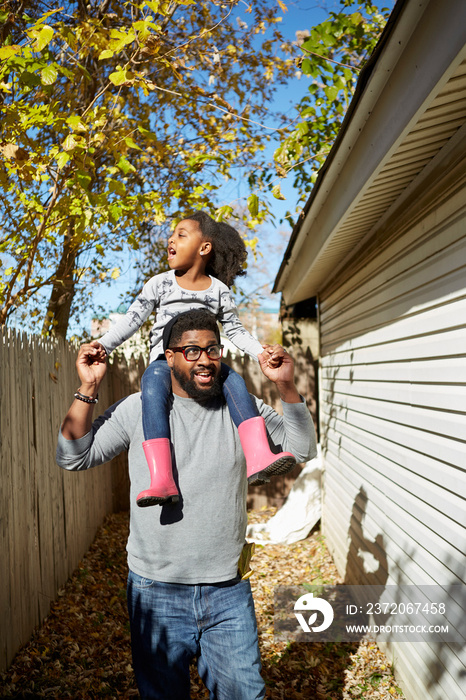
(193, 352)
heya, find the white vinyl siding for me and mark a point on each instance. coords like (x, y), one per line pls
(393, 422)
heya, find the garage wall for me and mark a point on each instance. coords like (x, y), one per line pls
(393, 419)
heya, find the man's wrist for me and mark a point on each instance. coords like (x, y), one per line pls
(90, 389)
(288, 392)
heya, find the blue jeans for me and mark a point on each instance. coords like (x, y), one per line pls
(156, 388)
(173, 623)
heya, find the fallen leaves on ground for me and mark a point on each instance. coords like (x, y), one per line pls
(83, 648)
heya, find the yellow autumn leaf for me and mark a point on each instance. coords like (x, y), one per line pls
(42, 37)
(8, 51)
(107, 53)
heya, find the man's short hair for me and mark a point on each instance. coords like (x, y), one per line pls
(194, 320)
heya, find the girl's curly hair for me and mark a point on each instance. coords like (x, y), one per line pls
(228, 250)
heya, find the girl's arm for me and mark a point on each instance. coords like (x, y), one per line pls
(138, 312)
(234, 329)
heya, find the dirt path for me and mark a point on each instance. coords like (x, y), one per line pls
(83, 648)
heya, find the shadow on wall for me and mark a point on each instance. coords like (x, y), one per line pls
(367, 565)
(356, 572)
(451, 656)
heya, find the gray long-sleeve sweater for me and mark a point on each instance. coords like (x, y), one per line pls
(162, 294)
(198, 540)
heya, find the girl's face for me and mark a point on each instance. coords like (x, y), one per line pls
(186, 245)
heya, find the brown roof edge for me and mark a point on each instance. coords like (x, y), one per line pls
(363, 79)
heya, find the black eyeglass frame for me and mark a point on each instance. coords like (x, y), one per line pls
(201, 350)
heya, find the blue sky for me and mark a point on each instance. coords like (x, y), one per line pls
(301, 14)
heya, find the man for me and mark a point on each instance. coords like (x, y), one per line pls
(185, 597)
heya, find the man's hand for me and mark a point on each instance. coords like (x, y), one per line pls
(91, 370)
(278, 366)
(92, 366)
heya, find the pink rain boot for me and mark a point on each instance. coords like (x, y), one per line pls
(260, 461)
(162, 487)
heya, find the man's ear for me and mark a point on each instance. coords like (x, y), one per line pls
(170, 357)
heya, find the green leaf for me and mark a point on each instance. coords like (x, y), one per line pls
(76, 124)
(107, 53)
(62, 159)
(131, 143)
(69, 143)
(42, 37)
(125, 166)
(117, 187)
(29, 79)
(115, 212)
(84, 179)
(119, 38)
(277, 192)
(331, 92)
(253, 205)
(303, 128)
(118, 77)
(48, 75)
(223, 212)
(148, 134)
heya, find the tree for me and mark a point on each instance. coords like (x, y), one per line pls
(332, 55)
(115, 116)
(119, 116)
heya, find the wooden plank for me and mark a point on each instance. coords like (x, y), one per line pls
(436, 371)
(431, 449)
(5, 499)
(441, 345)
(439, 397)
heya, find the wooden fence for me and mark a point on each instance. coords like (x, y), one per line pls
(48, 516)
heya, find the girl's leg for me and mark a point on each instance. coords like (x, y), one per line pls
(261, 462)
(155, 389)
(238, 398)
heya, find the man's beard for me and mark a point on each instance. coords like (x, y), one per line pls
(191, 388)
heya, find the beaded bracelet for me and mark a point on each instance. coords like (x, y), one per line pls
(86, 399)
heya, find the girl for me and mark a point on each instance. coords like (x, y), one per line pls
(204, 257)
